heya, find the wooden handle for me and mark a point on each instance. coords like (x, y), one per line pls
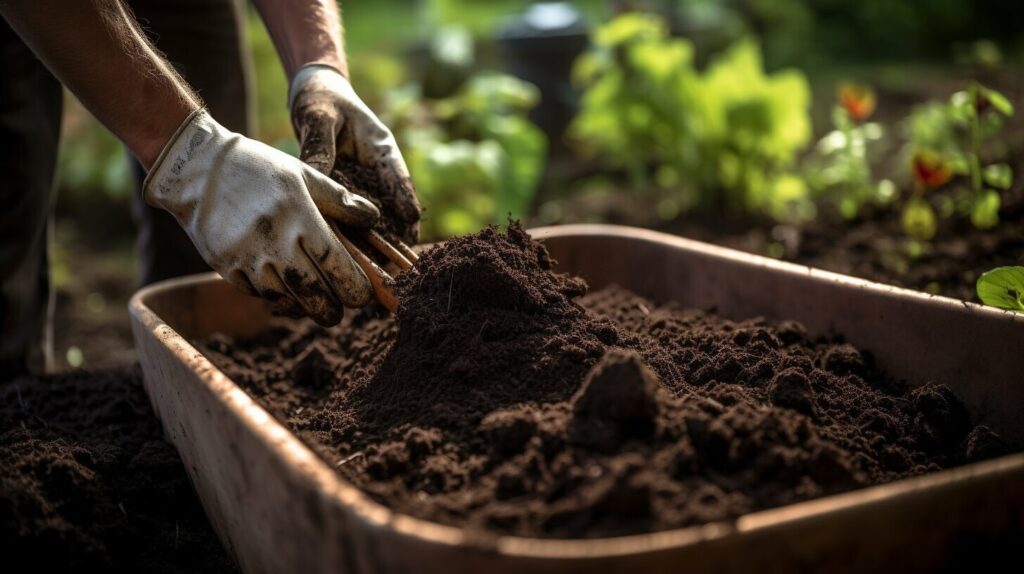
(390, 251)
(407, 251)
(379, 279)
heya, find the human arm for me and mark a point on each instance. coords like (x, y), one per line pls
(96, 49)
(253, 212)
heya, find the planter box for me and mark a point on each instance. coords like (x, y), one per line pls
(280, 508)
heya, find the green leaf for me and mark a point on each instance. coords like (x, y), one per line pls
(985, 211)
(961, 104)
(1002, 287)
(919, 221)
(999, 102)
(999, 175)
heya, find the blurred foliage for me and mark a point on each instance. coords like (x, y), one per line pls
(91, 158)
(725, 137)
(483, 17)
(839, 169)
(474, 156)
(814, 33)
(958, 138)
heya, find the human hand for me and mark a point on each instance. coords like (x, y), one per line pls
(256, 215)
(332, 123)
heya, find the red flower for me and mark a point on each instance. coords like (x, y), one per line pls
(858, 100)
(930, 169)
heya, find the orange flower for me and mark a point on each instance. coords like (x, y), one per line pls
(858, 100)
(930, 169)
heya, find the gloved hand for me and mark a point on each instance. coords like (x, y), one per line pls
(254, 214)
(331, 121)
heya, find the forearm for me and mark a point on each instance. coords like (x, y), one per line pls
(97, 50)
(305, 32)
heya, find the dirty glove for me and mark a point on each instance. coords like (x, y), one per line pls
(254, 214)
(332, 123)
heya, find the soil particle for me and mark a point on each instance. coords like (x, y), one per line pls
(88, 483)
(503, 396)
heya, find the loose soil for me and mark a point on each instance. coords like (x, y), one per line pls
(503, 397)
(395, 217)
(875, 247)
(89, 484)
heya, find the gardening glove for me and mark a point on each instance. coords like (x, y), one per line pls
(254, 214)
(331, 122)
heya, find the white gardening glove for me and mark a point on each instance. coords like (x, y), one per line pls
(332, 123)
(254, 214)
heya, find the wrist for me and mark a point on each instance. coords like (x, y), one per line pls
(153, 139)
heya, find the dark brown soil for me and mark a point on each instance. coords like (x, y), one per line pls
(397, 218)
(88, 483)
(506, 399)
(875, 248)
(948, 265)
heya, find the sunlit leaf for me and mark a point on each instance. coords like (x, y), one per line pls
(999, 175)
(988, 97)
(1002, 287)
(985, 212)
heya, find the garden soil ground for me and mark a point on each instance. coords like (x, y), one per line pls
(505, 398)
(875, 248)
(89, 484)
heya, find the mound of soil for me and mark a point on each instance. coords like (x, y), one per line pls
(88, 483)
(503, 397)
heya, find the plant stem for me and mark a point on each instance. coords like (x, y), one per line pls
(975, 155)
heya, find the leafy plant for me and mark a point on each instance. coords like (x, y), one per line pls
(474, 156)
(840, 170)
(638, 85)
(727, 135)
(1002, 287)
(951, 139)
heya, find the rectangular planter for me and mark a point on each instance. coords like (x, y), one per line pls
(280, 508)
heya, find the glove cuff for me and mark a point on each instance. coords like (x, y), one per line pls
(305, 74)
(167, 176)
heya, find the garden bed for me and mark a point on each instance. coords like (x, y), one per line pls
(874, 247)
(498, 402)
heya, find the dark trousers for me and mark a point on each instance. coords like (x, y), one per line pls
(205, 41)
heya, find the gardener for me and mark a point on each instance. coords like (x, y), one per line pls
(251, 212)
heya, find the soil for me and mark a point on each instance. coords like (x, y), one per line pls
(394, 216)
(89, 484)
(874, 247)
(505, 398)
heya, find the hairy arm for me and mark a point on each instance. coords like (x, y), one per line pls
(305, 32)
(97, 50)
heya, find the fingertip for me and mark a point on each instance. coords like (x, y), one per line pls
(327, 315)
(366, 211)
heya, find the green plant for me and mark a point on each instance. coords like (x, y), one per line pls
(1002, 287)
(474, 157)
(958, 139)
(724, 138)
(638, 85)
(839, 170)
